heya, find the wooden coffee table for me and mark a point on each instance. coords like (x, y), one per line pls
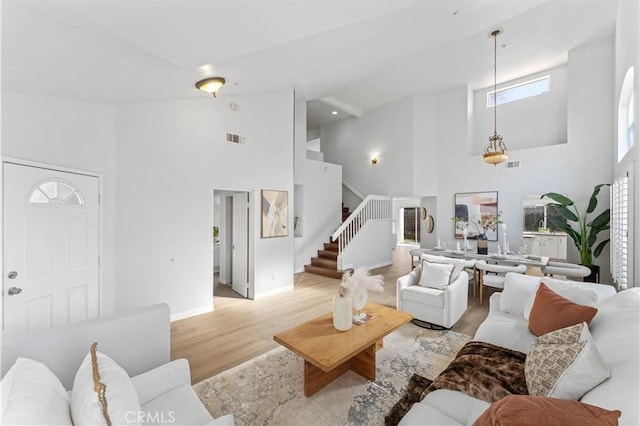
(328, 352)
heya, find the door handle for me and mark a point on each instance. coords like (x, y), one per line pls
(14, 291)
(12, 275)
(232, 247)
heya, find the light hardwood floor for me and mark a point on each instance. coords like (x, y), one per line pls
(241, 329)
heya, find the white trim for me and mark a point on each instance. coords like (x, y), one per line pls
(273, 292)
(64, 169)
(192, 312)
(370, 267)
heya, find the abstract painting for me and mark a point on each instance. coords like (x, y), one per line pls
(274, 213)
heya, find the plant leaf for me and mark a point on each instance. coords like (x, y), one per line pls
(593, 201)
(566, 213)
(601, 220)
(558, 198)
(599, 248)
(575, 236)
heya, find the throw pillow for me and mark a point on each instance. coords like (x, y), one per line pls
(570, 290)
(458, 264)
(436, 275)
(33, 395)
(551, 312)
(103, 393)
(565, 370)
(526, 410)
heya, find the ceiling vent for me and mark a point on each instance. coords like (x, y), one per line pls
(512, 164)
(234, 138)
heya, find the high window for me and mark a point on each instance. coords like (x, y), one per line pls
(519, 91)
(626, 115)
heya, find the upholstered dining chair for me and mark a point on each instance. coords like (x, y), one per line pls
(492, 275)
(569, 270)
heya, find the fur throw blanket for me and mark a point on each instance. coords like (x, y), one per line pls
(480, 369)
(484, 371)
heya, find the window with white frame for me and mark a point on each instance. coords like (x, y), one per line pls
(626, 115)
(620, 231)
(525, 90)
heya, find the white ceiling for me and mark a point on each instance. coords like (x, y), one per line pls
(361, 53)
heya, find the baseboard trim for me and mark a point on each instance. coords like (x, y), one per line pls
(191, 313)
(272, 292)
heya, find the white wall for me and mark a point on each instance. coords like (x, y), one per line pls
(73, 134)
(573, 168)
(320, 184)
(425, 146)
(171, 155)
(528, 123)
(386, 131)
(322, 215)
(627, 54)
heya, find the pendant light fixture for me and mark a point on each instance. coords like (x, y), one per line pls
(495, 152)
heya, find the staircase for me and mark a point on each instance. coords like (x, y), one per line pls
(326, 264)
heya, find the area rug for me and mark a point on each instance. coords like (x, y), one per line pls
(268, 390)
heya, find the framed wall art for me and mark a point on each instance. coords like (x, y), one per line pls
(275, 214)
(478, 213)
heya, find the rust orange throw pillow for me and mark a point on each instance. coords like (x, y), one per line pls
(524, 410)
(552, 312)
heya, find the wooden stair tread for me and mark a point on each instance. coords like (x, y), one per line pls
(325, 262)
(328, 254)
(324, 271)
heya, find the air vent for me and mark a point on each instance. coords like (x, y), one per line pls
(234, 138)
(512, 164)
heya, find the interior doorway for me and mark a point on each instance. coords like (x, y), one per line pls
(232, 243)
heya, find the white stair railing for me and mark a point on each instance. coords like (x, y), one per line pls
(372, 208)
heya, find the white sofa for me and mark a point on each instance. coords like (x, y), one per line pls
(615, 330)
(442, 307)
(138, 341)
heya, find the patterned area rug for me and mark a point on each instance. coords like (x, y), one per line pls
(268, 390)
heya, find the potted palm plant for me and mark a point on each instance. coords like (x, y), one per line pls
(586, 234)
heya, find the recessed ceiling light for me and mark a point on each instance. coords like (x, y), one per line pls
(334, 112)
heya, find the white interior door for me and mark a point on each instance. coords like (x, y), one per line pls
(51, 247)
(240, 246)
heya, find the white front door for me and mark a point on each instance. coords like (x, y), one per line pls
(51, 247)
(239, 245)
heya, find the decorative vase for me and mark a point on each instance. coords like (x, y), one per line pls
(342, 311)
(482, 244)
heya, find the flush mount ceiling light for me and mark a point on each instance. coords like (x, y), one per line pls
(211, 85)
(495, 152)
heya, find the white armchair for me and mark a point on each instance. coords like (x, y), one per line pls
(436, 306)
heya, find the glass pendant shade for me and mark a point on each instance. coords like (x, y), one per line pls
(495, 152)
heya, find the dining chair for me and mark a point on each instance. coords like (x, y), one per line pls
(470, 267)
(492, 275)
(569, 270)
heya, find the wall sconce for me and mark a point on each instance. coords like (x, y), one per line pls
(211, 85)
(374, 160)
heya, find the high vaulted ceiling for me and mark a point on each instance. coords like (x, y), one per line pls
(362, 53)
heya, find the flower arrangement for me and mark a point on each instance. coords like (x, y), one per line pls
(360, 279)
(486, 223)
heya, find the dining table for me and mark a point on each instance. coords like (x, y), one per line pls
(531, 261)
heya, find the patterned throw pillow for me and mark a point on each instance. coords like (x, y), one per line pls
(565, 364)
